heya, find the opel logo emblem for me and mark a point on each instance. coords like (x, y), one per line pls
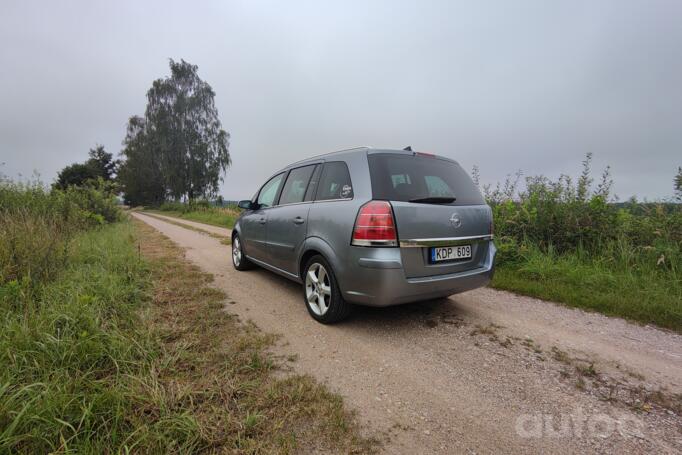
(455, 220)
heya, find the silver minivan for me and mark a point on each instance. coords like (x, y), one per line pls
(370, 227)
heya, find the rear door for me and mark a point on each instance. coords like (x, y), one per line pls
(254, 223)
(287, 222)
(435, 204)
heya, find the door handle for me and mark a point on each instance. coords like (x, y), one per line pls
(262, 221)
(299, 220)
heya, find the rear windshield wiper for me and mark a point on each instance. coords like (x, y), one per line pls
(434, 199)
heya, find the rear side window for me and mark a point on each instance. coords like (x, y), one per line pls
(296, 184)
(312, 186)
(335, 182)
(398, 177)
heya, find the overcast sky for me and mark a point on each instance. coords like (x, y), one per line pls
(506, 85)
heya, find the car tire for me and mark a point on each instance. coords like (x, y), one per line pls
(239, 260)
(321, 292)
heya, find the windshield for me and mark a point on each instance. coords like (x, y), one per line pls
(410, 178)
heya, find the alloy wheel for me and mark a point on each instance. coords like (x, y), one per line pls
(236, 252)
(318, 289)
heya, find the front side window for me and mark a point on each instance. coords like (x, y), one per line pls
(268, 193)
(335, 182)
(296, 184)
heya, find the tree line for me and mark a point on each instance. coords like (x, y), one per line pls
(177, 150)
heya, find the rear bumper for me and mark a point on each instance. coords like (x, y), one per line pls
(381, 281)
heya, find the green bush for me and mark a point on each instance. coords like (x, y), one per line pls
(567, 216)
(97, 206)
(36, 226)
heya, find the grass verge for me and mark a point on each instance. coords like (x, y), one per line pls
(227, 374)
(78, 367)
(632, 293)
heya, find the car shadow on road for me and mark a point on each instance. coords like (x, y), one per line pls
(411, 316)
(418, 315)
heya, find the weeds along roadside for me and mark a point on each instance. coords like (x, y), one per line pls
(70, 345)
(566, 240)
(36, 226)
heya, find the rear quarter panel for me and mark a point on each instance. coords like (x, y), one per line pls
(330, 223)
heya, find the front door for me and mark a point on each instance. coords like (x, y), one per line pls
(287, 222)
(253, 233)
(254, 223)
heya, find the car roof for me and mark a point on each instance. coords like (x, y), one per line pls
(358, 150)
(324, 156)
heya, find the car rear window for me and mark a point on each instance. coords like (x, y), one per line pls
(401, 177)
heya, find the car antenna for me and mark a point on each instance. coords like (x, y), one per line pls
(408, 148)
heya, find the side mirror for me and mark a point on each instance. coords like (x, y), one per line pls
(245, 204)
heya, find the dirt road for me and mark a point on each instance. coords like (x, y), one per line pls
(481, 372)
(216, 230)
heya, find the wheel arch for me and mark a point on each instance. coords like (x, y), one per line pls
(312, 247)
(305, 257)
(235, 231)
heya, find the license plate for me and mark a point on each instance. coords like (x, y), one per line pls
(450, 253)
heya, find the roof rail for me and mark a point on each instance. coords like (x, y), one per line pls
(355, 148)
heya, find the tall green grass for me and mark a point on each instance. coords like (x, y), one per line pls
(36, 226)
(584, 280)
(77, 364)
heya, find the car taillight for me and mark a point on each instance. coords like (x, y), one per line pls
(375, 226)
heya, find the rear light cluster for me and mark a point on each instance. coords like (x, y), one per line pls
(375, 225)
